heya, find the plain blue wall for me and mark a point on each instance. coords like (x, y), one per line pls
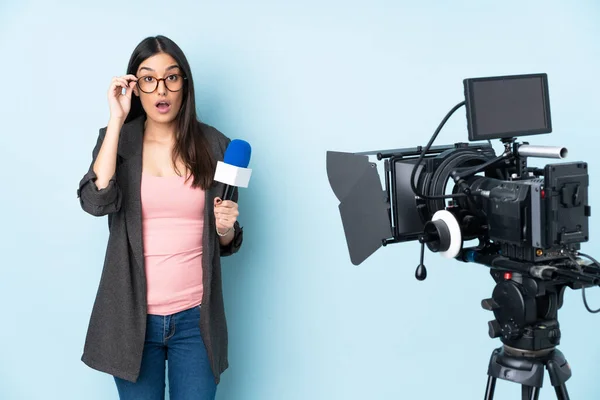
(295, 80)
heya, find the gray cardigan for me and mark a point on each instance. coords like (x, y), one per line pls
(117, 327)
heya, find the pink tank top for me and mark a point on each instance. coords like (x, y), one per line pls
(172, 221)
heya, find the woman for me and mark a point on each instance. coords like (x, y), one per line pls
(160, 295)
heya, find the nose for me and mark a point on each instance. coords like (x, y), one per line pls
(161, 88)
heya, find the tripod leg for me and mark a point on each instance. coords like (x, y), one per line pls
(530, 392)
(561, 392)
(491, 386)
(535, 393)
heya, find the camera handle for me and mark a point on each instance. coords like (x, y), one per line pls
(421, 272)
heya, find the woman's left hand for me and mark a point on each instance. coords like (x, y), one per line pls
(226, 213)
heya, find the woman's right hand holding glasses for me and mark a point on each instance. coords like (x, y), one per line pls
(119, 96)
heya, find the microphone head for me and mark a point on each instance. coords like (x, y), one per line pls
(238, 153)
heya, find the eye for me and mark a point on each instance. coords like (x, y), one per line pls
(148, 79)
(173, 78)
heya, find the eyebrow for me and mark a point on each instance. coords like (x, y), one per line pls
(168, 68)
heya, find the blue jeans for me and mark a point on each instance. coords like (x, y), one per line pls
(176, 338)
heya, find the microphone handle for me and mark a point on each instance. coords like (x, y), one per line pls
(228, 193)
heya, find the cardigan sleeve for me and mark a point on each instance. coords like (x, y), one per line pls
(94, 201)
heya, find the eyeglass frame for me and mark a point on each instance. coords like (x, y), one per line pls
(158, 81)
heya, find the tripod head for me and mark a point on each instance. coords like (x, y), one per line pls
(527, 296)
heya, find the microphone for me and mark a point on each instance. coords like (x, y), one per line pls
(233, 171)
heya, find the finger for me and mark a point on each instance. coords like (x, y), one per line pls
(114, 82)
(126, 78)
(126, 87)
(117, 85)
(123, 82)
(129, 82)
(228, 213)
(228, 204)
(218, 201)
(115, 89)
(219, 215)
(129, 90)
(118, 79)
(224, 212)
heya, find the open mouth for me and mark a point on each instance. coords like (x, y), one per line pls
(163, 106)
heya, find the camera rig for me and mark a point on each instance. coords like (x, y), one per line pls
(528, 223)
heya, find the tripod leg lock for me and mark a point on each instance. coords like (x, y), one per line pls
(558, 369)
(521, 370)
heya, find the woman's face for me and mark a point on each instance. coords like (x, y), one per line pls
(160, 87)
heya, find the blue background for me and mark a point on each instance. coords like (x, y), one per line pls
(295, 80)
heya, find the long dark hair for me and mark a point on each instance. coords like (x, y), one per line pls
(190, 143)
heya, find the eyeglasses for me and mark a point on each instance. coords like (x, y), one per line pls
(148, 84)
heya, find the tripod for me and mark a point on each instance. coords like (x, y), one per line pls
(526, 322)
(527, 368)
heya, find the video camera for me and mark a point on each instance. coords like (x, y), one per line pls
(528, 222)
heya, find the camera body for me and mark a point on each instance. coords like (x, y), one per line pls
(533, 219)
(531, 214)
